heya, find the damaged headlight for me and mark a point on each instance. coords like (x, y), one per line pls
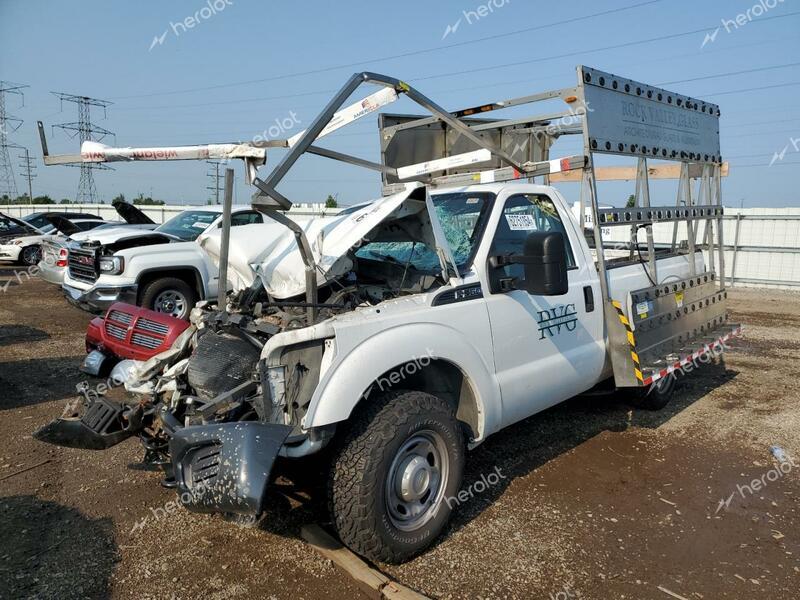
(112, 265)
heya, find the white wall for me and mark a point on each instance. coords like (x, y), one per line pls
(159, 214)
(768, 249)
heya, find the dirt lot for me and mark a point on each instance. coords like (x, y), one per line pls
(595, 500)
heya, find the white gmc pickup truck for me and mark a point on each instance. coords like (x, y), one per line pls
(400, 336)
(164, 269)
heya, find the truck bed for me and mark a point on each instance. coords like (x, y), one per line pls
(626, 278)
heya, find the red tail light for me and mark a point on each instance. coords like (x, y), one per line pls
(62, 258)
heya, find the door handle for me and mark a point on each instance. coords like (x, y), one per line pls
(588, 298)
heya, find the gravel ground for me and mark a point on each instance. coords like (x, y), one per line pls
(595, 500)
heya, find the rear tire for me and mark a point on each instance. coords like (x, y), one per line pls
(169, 295)
(402, 457)
(657, 396)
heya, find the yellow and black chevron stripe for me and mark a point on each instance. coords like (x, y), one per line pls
(631, 340)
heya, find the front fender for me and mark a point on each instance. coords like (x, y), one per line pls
(172, 257)
(351, 375)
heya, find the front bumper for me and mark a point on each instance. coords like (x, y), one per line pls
(101, 297)
(10, 252)
(226, 467)
(102, 425)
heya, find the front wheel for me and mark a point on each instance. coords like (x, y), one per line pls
(169, 295)
(396, 475)
(30, 256)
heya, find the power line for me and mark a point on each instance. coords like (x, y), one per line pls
(756, 70)
(395, 56)
(752, 89)
(86, 131)
(776, 164)
(483, 86)
(661, 38)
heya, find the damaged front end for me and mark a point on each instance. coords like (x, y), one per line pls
(231, 394)
(200, 416)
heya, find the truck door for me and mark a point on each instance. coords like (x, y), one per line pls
(546, 348)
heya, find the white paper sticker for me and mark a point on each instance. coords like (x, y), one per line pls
(521, 222)
(199, 225)
(642, 308)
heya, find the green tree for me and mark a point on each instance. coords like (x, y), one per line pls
(147, 201)
(631, 201)
(331, 202)
(118, 198)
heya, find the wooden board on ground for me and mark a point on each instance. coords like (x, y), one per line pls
(374, 583)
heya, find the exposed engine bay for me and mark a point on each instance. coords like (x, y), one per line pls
(201, 404)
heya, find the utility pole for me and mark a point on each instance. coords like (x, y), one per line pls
(28, 169)
(86, 131)
(8, 124)
(215, 177)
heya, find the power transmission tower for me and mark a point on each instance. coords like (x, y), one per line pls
(28, 167)
(86, 131)
(8, 124)
(215, 177)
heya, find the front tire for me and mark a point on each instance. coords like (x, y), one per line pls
(169, 295)
(30, 255)
(394, 473)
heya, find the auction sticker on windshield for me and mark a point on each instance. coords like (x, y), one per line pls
(521, 222)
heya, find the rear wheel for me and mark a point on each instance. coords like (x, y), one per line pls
(169, 295)
(401, 461)
(657, 396)
(31, 255)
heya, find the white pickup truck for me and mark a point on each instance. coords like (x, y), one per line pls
(164, 269)
(399, 336)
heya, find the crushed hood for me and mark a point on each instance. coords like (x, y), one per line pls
(269, 250)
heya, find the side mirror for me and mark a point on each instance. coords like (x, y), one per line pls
(545, 265)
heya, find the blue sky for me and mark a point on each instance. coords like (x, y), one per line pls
(234, 73)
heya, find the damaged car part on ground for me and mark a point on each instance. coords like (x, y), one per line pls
(400, 335)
